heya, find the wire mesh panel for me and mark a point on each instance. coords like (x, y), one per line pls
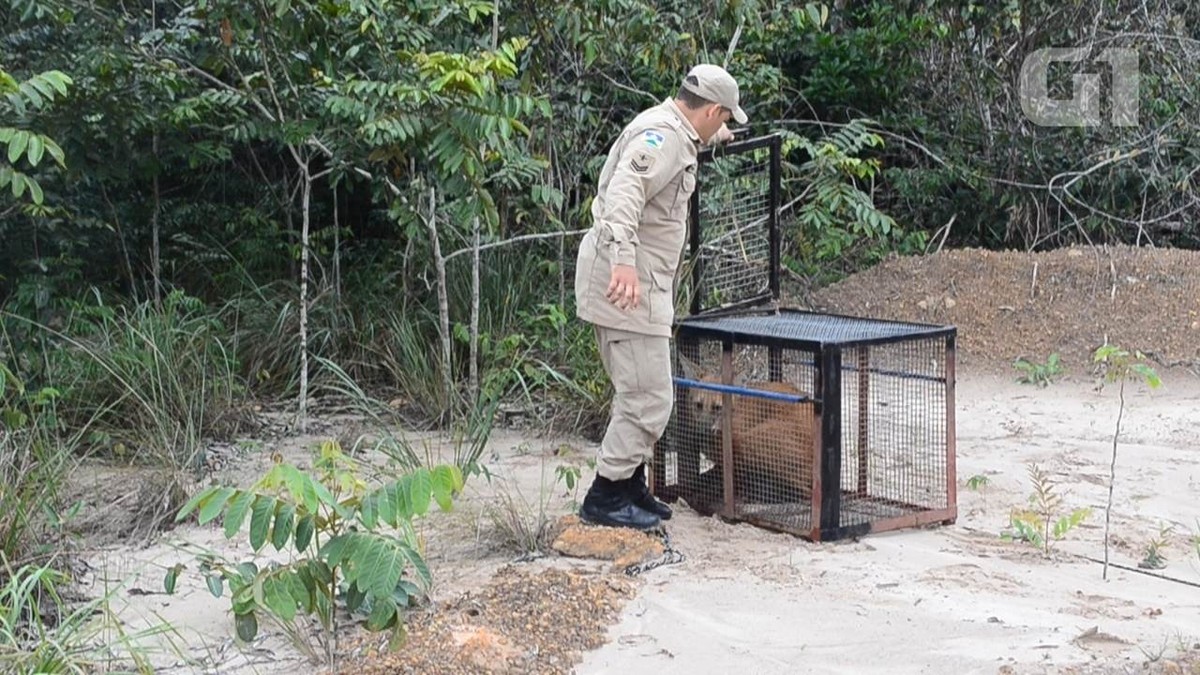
(894, 441)
(833, 426)
(749, 409)
(733, 257)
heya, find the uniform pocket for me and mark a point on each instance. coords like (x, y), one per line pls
(661, 299)
(683, 194)
(623, 366)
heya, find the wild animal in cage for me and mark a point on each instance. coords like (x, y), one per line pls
(821, 425)
(834, 426)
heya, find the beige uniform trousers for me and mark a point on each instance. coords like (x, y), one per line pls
(639, 366)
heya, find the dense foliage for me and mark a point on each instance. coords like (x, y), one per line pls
(210, 200)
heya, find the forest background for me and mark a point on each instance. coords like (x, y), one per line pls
(213, 207)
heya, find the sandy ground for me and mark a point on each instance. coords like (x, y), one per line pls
(954, 599)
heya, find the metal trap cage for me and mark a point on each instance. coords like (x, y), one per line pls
(834, 426)
(824, 426)
(732, 259)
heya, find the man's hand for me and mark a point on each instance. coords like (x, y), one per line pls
(623, 290)
(723, 135)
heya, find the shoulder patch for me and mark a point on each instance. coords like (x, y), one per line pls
(653, 138)
(642, 161)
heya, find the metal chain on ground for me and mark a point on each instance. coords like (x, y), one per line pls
(669, 557)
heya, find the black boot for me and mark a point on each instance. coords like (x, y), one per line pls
(639, 493)
(607, 503)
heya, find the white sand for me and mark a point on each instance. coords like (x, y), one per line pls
(954, 599)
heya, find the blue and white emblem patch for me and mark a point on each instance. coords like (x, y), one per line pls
(653, 138)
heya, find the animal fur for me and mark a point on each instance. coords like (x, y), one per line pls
(772, 440)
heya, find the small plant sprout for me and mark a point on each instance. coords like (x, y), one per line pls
(1041, 374)
(1153, 558)
(356, 547)
(1119, 366)
(978, 482)
(1038, 524)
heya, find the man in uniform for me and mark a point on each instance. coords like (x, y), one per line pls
(625, 281)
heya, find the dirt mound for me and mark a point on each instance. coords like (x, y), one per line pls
(520, 622)
(1012, 304)
(621, 545)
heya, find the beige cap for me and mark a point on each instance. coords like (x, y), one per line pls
(715, 84)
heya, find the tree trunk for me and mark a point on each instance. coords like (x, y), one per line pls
(474, 366)
(337, 255)
(305, 203)
(443, 300)
(155, 260)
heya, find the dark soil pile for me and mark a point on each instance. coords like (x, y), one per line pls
(1012, 304)
(522, 621)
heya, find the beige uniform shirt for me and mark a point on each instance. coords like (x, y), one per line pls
(639, 218)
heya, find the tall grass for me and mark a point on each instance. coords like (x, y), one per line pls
(42, 633)
(158, 382)
(531, 348)
(36, 455)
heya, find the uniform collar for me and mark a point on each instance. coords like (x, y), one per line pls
(669, 104)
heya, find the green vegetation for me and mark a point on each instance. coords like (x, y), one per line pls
(209, 207)
(1041, 374)
(353, 543)
(1041, 523)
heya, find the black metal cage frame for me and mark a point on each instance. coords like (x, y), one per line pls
(830, 364)
(755, 322)
(773, 143)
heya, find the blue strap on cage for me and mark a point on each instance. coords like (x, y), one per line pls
(743, 391)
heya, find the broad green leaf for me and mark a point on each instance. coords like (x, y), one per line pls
(260, 521)
(407, 590)
(387, 504)
(55, 151)
(367, 511)
(400, 594)
(16, 146)
(422, 491)
(238, 508)
(35, 191)
(35, 149)
(42, 84)
(18, 183)
(354, 597)
(323, 494)
(259, 593)
(320, 572)
(277, 596)
(447, 480)
(383, 611)
(59, 80)
(215, 584)
(283, 525)
(242, 599)
(247, 626)
(213, 505)
(381, 563)
(304, 532)
(302, 588)
(418, 563)
(172, 577)
(336, 549)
